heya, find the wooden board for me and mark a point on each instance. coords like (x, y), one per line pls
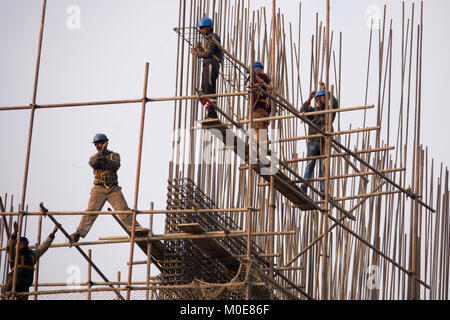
(157, 247)
(281, 182)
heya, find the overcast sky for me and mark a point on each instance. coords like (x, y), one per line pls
(102, 57)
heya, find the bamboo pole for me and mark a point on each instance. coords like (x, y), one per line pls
(44, 210)
(36, 268)
(27, 157)
(151, 212)
(325, 214)
(149, 253)
(138, 176)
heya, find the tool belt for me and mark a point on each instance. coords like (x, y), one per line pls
(106, 185)
(99, 181)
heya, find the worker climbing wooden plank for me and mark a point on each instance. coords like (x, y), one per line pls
(212, 58)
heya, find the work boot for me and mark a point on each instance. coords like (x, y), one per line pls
(74, 237)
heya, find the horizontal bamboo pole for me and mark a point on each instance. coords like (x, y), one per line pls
(174, 236)
(125, 101)
(133, 288)
(92, 283)
(72, 104)
(367, 195)
(291, 116)
(340, 154)
(361, 196)
(211, 234)
(349, 175)
(69, 213)
(335, 133)
(199, 96)
(358, 174)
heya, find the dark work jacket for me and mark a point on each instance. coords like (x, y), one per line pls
(212, 54)
(25, 266)
(27, 258)
(319, 119)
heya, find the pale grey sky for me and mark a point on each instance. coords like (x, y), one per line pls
(104, 60)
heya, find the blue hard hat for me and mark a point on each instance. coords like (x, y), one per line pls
(24, 239)
(205, 22)
(258, 64)
(99, 137)
(320, 93)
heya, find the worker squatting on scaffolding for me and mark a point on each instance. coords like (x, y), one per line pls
(316, 145)
(106, 188)
(212, 58)
(25, 265)
(261, 106)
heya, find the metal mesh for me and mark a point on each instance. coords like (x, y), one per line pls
(184, 261)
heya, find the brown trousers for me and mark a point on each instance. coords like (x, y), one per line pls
(99, 195)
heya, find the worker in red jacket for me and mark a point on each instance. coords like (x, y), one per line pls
(261, 105)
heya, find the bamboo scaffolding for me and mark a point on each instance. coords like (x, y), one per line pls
(361, 175)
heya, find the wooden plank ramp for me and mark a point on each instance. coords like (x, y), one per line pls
(157, 247)
(282, 183)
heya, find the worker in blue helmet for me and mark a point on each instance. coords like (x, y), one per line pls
(27, 258)
(212, 57)
(105, 164)
(316, 145)
(261, 107)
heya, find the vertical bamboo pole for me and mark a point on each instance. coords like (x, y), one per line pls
(251, 144)
(36, 269)
(272, 190)
(118, 284)
(27, 158)
(149, 252)
(324, 290)
(136, 190)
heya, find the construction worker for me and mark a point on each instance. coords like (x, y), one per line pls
(105, 164)
(212, 58)
(261, 105)
(25, 264)
(316, 145)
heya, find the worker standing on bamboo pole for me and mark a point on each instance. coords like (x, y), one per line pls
(212, 58)
(316, 145)
(106, 188)
(261, 105)
(25, 265)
